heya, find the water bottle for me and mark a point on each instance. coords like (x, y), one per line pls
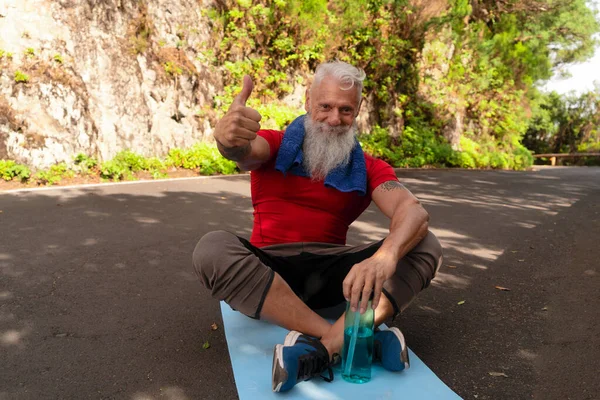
(357, 354)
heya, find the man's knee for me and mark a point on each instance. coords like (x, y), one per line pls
(209, 254)
(414, 272)
(431, 252)
(426, 258)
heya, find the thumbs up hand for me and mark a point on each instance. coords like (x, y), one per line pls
(238, 127)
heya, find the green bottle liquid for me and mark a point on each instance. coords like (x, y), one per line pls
(357, 354)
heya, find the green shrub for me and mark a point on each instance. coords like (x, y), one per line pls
(499, 160)
(21, 77)
(523, 158)
(419, 147)
(54, 174)
(122, 166)
(85, 163)
(156, 167)
(10, 170)
(414, 149)
(58, 58)
(153, 163)
(126, 162)
(462, 159)
(115, 170)
(133, 161)
(201, 156)
(156, 174)
(378, 143)
(276, 116)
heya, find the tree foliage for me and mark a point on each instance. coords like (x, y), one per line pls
(458, 75)
(565, 124)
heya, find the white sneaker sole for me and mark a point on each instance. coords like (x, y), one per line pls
(291, 337)
(404, 351)
(278, 374)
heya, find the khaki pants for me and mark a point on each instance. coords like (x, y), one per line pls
(241, 274)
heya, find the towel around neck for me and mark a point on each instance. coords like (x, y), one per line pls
(345, 178)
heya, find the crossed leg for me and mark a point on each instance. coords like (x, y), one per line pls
(251, 281)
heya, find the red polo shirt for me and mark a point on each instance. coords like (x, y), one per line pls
(293, 208)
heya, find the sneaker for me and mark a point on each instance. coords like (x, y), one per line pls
(300, 358)
(292, 337)
(390, 349)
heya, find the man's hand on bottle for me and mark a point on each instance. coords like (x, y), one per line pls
(366, 278)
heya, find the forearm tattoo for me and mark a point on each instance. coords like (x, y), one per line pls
(234, 153)
(392, 185)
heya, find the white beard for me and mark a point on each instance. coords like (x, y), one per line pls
(326, 147)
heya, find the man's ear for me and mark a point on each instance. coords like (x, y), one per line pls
(307, 101)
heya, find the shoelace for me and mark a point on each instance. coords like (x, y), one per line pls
(313, 361)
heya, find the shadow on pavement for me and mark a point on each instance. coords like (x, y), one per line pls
(98, 297)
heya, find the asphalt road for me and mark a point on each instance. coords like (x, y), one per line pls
(98, 298)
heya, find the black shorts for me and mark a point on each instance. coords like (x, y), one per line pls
(314, 271)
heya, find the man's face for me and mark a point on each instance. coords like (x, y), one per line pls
(329, 104)
(330, 128)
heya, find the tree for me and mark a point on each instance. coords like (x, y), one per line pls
(566, 124)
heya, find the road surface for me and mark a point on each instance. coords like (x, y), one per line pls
(98, 298)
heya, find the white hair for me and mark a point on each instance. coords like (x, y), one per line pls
(348, 75)
(325, 147)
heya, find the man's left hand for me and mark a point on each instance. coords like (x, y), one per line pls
(368, 277)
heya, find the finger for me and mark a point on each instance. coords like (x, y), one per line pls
(366, 294)
(235, 142)
(377, 293)
(248, 124)
(242, 97)
(355, 292)
(347, 285)
(241, 134)
(251, 113)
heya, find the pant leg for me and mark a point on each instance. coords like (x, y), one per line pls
(241, 274)
(414, 271)
(232, 272)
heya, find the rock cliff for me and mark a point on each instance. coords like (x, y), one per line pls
(99, 76)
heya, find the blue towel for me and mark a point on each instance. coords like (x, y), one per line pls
(345, 178)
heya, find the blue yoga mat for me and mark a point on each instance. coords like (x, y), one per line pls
(251, 344)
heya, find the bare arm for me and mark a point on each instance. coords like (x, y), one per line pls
(409, 220)
(248, 157)
(235, 133)
(409, 224)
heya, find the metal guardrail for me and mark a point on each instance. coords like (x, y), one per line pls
(553, 156)
(566, 155)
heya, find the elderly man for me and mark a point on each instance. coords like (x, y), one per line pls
(308, 185)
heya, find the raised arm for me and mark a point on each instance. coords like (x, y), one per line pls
(235, 133)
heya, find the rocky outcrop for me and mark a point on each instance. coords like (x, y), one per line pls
(99, 76)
